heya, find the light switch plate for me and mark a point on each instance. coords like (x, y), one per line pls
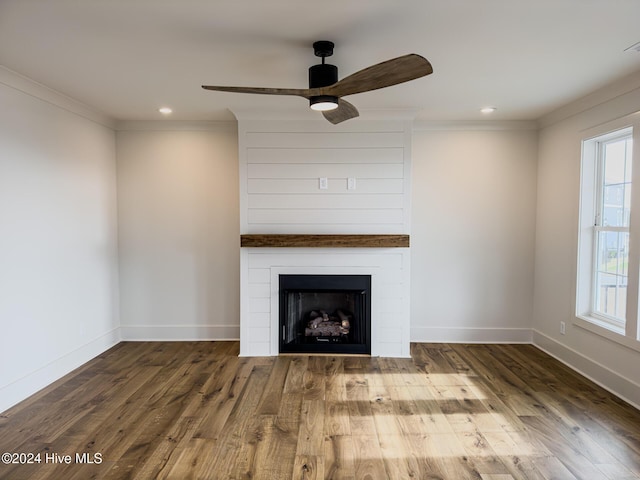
(351, 183)
(324, 183)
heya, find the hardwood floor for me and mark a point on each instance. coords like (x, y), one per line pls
(195, 410)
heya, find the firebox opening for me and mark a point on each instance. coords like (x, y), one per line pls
(325, 314)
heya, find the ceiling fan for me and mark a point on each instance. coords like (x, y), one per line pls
(325, 91)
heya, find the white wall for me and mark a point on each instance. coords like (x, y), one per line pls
(179, 233)
(58, 255)
(473, 230)
(472, 233)
(612, 364)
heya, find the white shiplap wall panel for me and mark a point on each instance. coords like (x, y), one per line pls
(325, 155)
(259, 290)
(259, 320)
(334, 201)
(391, 334)
(257, 334)
(366, 186)
(316, 170)
(259, 304)
(316, 257)
(391, 306)
(259, 275)
(301, 216)
(318, 229)
(324, 140)
(280, 179)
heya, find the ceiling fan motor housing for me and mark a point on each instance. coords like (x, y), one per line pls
(322, 75)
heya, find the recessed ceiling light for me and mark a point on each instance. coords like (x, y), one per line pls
(165, 110)
(487, 110)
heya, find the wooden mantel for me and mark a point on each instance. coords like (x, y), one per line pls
(324, 241)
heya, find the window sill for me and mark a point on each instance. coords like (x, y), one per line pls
(606, 330)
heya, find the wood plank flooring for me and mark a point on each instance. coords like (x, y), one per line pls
(195, 410)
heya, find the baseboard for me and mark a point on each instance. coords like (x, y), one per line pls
(470, 335)
(26, 386)
(620, 386)
(181, 333)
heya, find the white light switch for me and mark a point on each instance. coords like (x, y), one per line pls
(351, 183)
(324, 183)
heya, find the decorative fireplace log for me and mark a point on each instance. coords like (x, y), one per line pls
(326, 329)
(315, 322)
(344, 320)
(322, 324)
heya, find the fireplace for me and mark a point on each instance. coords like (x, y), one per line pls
(359, 225)
(325, 314)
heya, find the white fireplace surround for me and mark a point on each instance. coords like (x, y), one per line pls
(389, 270)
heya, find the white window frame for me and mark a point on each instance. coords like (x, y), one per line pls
(623, 332)
(599, 144)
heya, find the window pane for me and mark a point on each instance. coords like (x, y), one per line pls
(616, 183)
(614, 211)
(611, 275)
(614, 162)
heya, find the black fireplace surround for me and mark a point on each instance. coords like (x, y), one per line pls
(325, 314)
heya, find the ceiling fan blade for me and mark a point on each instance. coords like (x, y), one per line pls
(385, 74)
(300, 92)
(345, 111)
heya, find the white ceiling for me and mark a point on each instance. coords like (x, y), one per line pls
(126, 58)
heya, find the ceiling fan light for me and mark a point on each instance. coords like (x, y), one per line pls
(323, 103)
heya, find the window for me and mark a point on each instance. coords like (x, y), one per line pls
(605, 219)
(611, 225)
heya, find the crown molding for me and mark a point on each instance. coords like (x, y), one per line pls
(16, 81)
(177, 125)
(474, 125)
(623, 86)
